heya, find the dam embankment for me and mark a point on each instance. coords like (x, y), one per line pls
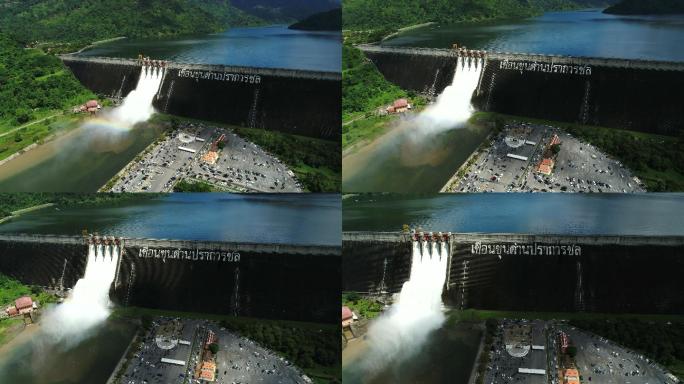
(294, 282)
(627, 94)
(621, 274)
(299, 102)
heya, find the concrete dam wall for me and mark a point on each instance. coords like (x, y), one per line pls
(626, 274)
(298, 102)
(260, 280)
(626, 94)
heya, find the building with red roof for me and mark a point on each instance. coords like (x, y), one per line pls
(399, 106)
(546, 166)
(21, 306)
(347, 316)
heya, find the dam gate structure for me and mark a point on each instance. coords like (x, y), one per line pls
(277, 281)
(636, 95)
(299, 102)
(520, 272)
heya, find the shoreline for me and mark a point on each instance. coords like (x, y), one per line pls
(20, 212)
(47, 139)
(112, 378)
(20, 338)
(408, 28)
(476, 154)
(96, 43)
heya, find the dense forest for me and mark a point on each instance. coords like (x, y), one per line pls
(324, 21)
(10, 202)
(395, 14)
(31, 81)
(647, 7)
(85, 21)
(285, 11)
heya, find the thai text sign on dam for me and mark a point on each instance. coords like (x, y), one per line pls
(525, 249)
(522, 66)
(219, 76)
(164, 254)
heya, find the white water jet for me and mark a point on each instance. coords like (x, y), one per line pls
(137, 106)
(453, 107)
(401, 332)
(88, 305)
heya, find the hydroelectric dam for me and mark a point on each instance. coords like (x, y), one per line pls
(298, 102)
(522, 272)
(637, 95)
(279, 281)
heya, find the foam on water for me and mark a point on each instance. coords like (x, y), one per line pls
(88, 305)
(453, 108)
(400, 332)
(137, 106)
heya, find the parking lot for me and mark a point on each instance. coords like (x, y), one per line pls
(513, 350)
(242, 166)
(146, 366)
(579, 166)
(603, 362)
(239, 359)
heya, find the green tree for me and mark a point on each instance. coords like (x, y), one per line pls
(214, 348)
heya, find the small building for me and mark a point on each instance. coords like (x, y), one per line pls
(546, 166)
(210, 157)
(23, 305)
(564, 341)
(91, 106)
(208, 371)
(347, 317)
(571, 376)
(211, 339)
(399, 106)
(554, 141)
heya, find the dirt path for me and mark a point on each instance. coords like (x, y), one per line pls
(29, 124)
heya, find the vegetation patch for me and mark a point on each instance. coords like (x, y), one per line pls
(12, 202)
(659, 340)
(316, 162)
(67, 24)
(366, 308)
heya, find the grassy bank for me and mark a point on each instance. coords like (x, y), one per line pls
(37, 132)
(313, 347)
(480, 314)
(10, 203)
(656, 159)
(365, 308)
(10, 290)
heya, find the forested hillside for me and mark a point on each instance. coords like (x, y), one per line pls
(285, 11)
(395, 14)
(324, 21)
(363, 86)
(647, 7)
(85, 21)
(31, 81)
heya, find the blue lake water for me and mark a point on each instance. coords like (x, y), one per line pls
(574, 33)
(573, 214)
(273, 46)
(268, 218)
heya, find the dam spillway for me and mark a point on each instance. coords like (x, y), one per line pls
(638, 95)
(242, 279)
(620, 274)
(291, 101)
